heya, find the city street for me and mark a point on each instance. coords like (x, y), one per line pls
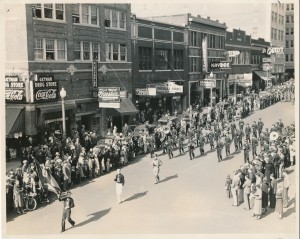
(190, 199)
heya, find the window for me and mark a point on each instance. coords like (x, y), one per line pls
(86, 50)
(292, 6)
(286, 57)
(287, 31)
(49, 49)
(48, 11)
(288, 7)
(292, 19)
(291, 57)
(194, 38)
(77, 50)
(115, 19)
(287, 44)
(292, 31)
(221, 42)
(193, 64)
(95, 51)
(145, 58)
(162, 59)
(275, 17)
(287, 20)
(116, 52)
(178, 59)
(292, 43)
(211, 41)
(85, 14)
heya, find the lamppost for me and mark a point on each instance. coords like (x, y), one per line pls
(211, 76)
(63, 94)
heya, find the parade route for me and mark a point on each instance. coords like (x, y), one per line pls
(190, 198)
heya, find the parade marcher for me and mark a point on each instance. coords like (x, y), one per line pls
(246, 148)
(181, 139)
(240, 135)
(219, 147)
(228, 183)
(156, 163)
(254, 144)
(241, 124)
(286, 185)
(247, 191)
(276, 161)
(236, 142)
(120, 181)
(260, 126)
(254, 129)
(247, 132)
(273, 191)
(211, 139)
(227, 145)
(68, 205)
(191, 149)
(201, 143)
(170, 147)
(234, 188)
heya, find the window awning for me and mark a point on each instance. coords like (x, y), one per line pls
(126, 107)
(264, 75)
(54, 107)
(15, 121)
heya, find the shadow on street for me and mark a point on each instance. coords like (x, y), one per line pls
(169, 178)
(136, 196)
(95, 216)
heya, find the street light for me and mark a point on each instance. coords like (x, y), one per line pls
(211, 76)
(63, 94)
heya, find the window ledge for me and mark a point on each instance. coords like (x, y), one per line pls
(118, 29)
(49, 20)
(86, 25)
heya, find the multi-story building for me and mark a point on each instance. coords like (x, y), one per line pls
(289, 40)
(76, 46)
(158, 66)
(206, 45)
(238, 52)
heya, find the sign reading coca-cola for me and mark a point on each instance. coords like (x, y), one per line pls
(14, 89)
(45, 89)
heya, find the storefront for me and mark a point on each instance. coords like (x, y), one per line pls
(261, 80)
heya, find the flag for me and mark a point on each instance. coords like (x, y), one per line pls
(46, 179)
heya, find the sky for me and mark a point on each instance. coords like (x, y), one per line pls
(235, 13)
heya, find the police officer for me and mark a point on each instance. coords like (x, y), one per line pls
(227, 145)
(68, 204)
(219, 147)
(247, 132)
(254, 145)
(246, 148)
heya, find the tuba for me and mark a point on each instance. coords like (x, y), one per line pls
(166, 129)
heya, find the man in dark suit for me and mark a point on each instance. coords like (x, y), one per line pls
(68, 204)
(276, 161)
(246, 148)
(219, 147)
(227, 145)
(254, 145)
(248, 132)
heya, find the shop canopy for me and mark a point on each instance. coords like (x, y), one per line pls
(264, 75)
(15, 121)
(126, 107)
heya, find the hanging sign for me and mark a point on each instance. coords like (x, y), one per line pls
(45, 89)
(95, 74)
(14, 89)
(109, 97)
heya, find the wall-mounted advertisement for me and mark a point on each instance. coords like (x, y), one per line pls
(14, 89)
(109, 97)
(45, 89)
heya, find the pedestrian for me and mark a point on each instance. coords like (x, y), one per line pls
(246, 148)
(247, 132)
(156, 163)
(219, 147)
(120, 181)
(234, 188)
(227, 144)
(279, 202)
(273, 191)
(257, 209)
(254, 144)
(17, 196)
(228, 183)
(265, 201)
(68, 205)
(170, 147)
(286, 185)
(191, 149)
(181, 139)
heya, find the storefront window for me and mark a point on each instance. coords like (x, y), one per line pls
(50, 49)
(162, 59)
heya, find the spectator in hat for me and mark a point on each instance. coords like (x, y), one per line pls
(247, 191)
(25, 166)
(234, 188)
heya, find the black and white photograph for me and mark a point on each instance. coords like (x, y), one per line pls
(150, 119)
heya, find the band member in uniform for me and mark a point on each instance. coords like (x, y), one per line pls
(227, 145)
(201, 143)
(240, 134)
(211, 139)
(248, 132)
(120, 181)
(191, 149)
(254, 129)
(246, 148)
(260, 126)
(241, 124)
(68, 204)
(181, 139)
(233, 129)
(254, 145)
(156, 163)
(236, 142)
(219, 147)
(174, 136)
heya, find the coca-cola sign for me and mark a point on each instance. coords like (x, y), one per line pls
(14, 95)
(14, 89)
(45, 89)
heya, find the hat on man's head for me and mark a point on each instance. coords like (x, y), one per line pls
(57, 154)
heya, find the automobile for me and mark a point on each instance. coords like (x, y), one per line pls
(143, 127)
(166, 119)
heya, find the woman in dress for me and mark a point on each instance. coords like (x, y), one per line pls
(257, 202)
(156, 163)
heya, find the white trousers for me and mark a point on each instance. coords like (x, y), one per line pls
(119, 191)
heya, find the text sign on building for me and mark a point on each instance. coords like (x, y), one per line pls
(14, 90)
(123, 94)
(145, 91)
(95, 74)
(275, 50)
(233, 53)
(266, 60)
(220, 65)
(169, 87)
(208, 83)
(45, 89)
(109, 97)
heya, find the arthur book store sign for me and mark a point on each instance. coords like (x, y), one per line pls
(14, 90)
(45, 89)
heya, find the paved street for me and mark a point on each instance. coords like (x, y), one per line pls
(190, 198)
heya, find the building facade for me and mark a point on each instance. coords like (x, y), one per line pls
(158, 66)
(79, 47)
(289, 41)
